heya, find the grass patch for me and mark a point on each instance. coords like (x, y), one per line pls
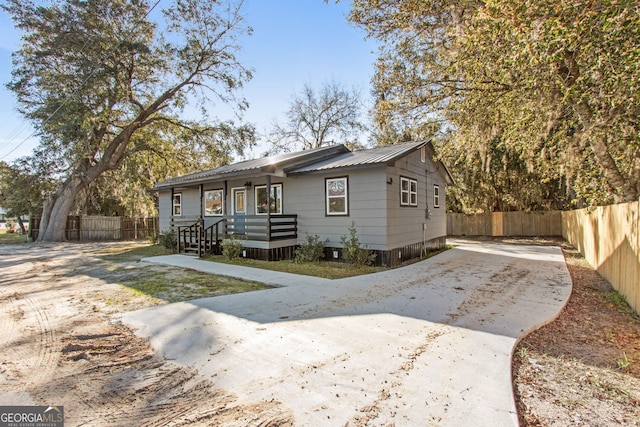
(324, 269)
(11, 238)
(174, 285)
(618, 300)
(169, 284)
(133, 253)
(436, 252)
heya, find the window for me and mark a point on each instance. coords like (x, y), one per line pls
(436, 196)
(274, 205)
(177, 204)
(408, 192)
(337, 196)
(213, 203)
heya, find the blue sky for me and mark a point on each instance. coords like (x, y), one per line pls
(295, 42)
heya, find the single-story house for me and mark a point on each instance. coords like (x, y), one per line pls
(395, 195)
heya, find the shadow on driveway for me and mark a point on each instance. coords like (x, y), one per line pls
(425, 344)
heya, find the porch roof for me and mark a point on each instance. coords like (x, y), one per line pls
(308, 161)
(263, 165)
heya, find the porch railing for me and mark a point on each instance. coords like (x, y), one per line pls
(262, 227)
(202, 240)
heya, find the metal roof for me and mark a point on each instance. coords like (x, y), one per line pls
(362, 158)
(306, 161)
(252, 167)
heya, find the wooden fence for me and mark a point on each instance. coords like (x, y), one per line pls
(609, 239)
(504, 224)
(92, 228)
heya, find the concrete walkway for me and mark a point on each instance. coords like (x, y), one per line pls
(427, 344)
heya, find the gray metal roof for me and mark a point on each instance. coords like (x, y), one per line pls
(307, 161)
(363, 158)
(256, 166)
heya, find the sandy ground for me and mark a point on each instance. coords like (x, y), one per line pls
(60, 346)
(426, 344)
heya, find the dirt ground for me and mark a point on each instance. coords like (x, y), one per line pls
(583, 369)
(60, 346)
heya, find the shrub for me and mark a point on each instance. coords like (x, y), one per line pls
(310, 251)
(168, 239)
(231, 248)
(353, 253)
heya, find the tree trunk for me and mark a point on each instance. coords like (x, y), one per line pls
(22, 227)
(56, 210)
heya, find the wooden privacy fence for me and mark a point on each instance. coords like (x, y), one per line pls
(504, 224)
(91, 228)
(608, 238)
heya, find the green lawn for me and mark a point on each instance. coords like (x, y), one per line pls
(169, 284)
(325, 269)
(185, 285)
(11, 238)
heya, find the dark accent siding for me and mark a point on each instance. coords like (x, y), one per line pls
(390, 258)
(395, 257)
(273, 254)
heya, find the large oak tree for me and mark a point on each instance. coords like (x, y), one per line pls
(104, 85)
(552, 85)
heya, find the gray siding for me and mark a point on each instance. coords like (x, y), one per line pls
(413, 224)
(190, 202)
(164, 210)
(374, 204)
(305, 195)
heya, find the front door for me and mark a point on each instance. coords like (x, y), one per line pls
(239, 208)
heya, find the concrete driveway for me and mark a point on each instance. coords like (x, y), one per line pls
(427, 344)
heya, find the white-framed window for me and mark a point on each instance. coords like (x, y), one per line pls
(177, 204)
(436, 196)
(214, 202)
(337, 196)
(423, 154)
(408, 192)
(274, 203)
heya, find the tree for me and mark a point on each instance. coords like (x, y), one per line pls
(555, 82)
(21, 190)
(318, 118)
(101, 85)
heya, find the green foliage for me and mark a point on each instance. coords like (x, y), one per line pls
(538, 100)
(21, 189)
(352, 252)
(106, 92)
(232, 248)
(623, 362)
(618, 300)
(168, 240)
(312, 250)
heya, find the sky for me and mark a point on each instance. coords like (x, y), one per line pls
(295, 42)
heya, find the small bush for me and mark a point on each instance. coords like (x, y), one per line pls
(310, 251)
(168, 239)
(231, 248)
(353, 253)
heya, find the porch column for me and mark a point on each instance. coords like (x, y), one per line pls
(268, 208)
(201, 190)
(171, 209)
